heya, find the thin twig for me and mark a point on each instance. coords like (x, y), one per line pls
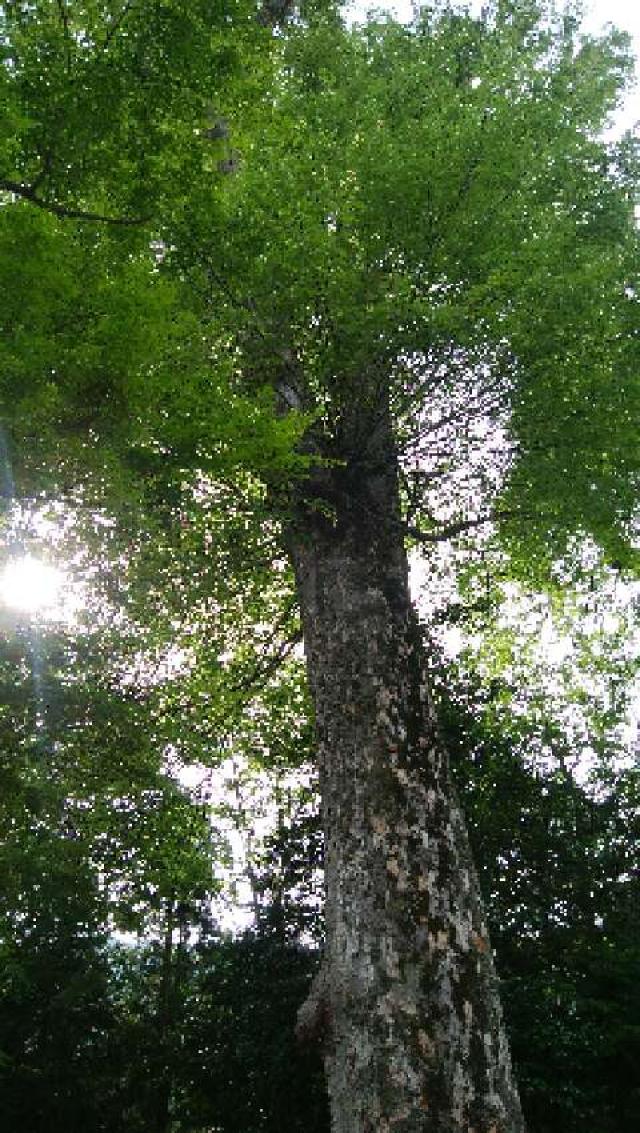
(450, 530)
(117, 24)
(64, 17)
(260, 673)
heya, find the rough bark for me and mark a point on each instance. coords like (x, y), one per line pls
(407, 1001)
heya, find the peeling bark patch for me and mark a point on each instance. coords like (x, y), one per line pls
(480, 943)
(379, 825)
(392, 867)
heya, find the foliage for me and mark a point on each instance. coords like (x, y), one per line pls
(106, 101)
(243, 1066)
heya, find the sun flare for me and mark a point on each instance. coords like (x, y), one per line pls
(29, 585)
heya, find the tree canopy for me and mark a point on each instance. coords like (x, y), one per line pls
(431, 206)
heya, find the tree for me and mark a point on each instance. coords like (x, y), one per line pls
(94, 836)
(241, 1069)
(412, 235)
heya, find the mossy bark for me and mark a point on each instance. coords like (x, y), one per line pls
(407, 1001)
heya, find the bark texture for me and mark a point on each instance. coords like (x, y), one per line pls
(407, 1000)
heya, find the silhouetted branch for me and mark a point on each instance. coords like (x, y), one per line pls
(450, 530)
(28, 193)
(117, 24)
(64, 19)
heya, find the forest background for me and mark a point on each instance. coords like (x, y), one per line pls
(156, 764)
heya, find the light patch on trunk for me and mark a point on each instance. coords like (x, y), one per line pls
(379, 825)
(480, 943)
(401, 875)
(391, 959)
(464, 935)
(393, 867)
(384, 697)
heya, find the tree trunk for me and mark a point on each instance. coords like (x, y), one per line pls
(407, 1000)
(160, 1120)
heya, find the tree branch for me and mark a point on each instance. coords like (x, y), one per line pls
(117, 24)
(28, 193)
(64, 18)
(450, 530)
(263, 670)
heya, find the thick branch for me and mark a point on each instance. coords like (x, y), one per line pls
(28, 193)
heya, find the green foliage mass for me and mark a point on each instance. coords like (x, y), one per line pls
(105, 101)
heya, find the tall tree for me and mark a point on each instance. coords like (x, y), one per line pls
(396, 245)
